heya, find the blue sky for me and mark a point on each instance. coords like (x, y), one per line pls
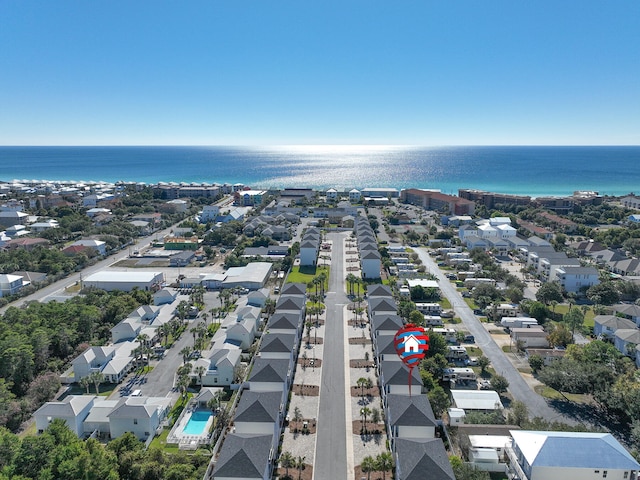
(451, 72)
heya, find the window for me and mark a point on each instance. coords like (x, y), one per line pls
(604, 474)
(626, 475)
(135, 421)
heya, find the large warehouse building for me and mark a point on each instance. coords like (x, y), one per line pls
(125, 281)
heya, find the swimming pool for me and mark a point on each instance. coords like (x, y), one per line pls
(197, 422)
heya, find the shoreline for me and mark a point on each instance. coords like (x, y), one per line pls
(345, 192)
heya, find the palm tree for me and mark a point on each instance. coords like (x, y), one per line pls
(361, 382)
(300, 465)
(286, 461)
(351, 280)
(384, 463)
(164, 330)
(185, 352)
(368, 465)
(96, 378)
(200, 370)
(85, 382)
(364, 411)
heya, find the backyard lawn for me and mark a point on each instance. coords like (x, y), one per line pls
(588, 318)
(305, 274)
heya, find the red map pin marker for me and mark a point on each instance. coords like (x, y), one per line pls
(411, 344)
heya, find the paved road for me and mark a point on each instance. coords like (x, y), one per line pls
(331, 447)
(58, 287)
(520, 389)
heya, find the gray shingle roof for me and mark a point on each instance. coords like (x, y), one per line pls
(294, 289)
(386, 322)
(284, 320)
(396, 373)
(269, 370)
(421, 459)
(243, 456)
(278, 342)
(414, 411)
(262, 407)
(379, 290)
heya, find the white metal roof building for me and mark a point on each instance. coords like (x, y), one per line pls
(485, 400)
(252, 276)
(125, 281)
(541, 455)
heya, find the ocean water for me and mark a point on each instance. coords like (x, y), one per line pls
(534, 171)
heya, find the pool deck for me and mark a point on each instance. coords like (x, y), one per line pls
(177, 434)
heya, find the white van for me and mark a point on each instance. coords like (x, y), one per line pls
(136, 393)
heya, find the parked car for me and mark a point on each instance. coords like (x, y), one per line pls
(446, 314)
(469, 339)
(472, 361)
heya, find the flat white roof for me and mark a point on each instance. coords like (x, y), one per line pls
(122, 277)
(476, 399)
(423, 282)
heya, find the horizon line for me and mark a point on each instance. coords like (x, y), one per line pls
(320, 145)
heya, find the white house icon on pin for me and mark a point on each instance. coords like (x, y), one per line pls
(411, 344)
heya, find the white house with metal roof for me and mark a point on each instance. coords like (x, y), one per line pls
(541, 455)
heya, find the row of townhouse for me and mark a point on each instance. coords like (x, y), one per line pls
(614, 260)
(217, 214)
(277, 228)
(622, 327)
(550, 266)
(250, 451)
(411, 424)
(236, 334)
(88, 415)
(333, 213)
(370, 258)
(116, 360)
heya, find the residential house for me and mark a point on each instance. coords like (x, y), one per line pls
(11, 284)
(279, 346)
(259, 413)
(385, 323)
(354, 195)
(370, 263)
(73, 410)
(385, 349)
(379, 290)
(606, 325)
(164, 296)
(625, 341)
(114, 362)
(270, 375)
(138, 415)
(245, 456)
(574, 279)
(331, 195)
(531, 337)
(548, 355)
(43, 226)
(409, 417)
(220, 367)
(629, 311)
(422, 458)
(395, 378)
(382, 305)
(544, 455)
(285, 322)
